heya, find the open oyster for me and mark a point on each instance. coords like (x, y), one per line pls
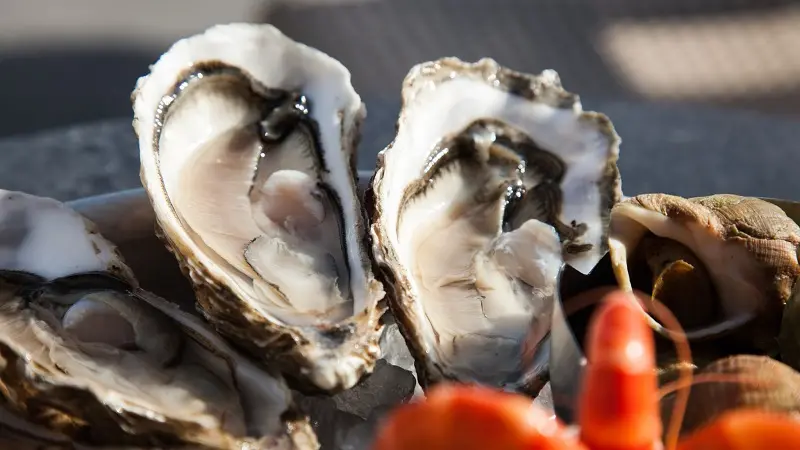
(721, 262)
(88, 358)
(495, 178)
(247, 145)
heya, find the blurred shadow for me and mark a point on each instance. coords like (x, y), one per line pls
(46, 89)
(677, 9)
(380, 41)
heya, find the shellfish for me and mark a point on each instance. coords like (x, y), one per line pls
(494, 180)
(247, 143)
(88, 357)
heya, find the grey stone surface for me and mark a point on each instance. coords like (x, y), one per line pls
(396, 352)
(387, 386)
(669, 148)
(72, 162)
(350, 419)
(333, 426)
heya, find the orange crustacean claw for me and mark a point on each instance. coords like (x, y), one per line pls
(746, 429)
(464, 417)
(618, 406)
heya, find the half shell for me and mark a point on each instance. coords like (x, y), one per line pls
(97, 361)
(247, 143)
(494, 179)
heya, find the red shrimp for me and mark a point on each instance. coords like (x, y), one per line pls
(465, 417)
(746, 429)
(618, 407)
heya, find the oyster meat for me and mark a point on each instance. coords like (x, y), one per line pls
(724, 263)
(89, 359)
(247, 143)
(494, 179)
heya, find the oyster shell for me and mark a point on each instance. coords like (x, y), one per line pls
(247, 143)
(493, 180)
(742, 252)
(91, 358)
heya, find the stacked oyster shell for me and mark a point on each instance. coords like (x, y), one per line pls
(494, 182)
(247, 145)
(90, 360)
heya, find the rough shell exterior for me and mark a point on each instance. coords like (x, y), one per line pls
(289, 348)
(759, 234)
(764, 383)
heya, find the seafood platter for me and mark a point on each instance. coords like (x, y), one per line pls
(290, 302)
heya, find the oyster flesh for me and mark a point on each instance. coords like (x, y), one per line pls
(94, 360)
(731, 261)
(247, 143)
(494, 180)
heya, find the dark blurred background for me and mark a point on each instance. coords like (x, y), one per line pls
(67, 62)
(71, 62)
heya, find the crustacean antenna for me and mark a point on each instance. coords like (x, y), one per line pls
(686, 378)
(684, 382)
